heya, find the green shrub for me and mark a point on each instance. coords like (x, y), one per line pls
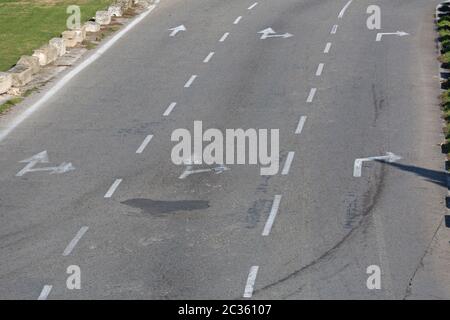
(445, 45)
(445, 58)
(443, 23)
(444, 18)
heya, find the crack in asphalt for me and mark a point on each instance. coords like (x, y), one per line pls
(408, 290)
(370, 200)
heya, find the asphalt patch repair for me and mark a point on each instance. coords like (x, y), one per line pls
(162, 207)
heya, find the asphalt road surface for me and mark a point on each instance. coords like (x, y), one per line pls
(138, 231)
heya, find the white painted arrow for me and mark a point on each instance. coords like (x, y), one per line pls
(42, 157)
(217, 170)
(389, 157)
(176, 30)
(398, 33)
(270, 33)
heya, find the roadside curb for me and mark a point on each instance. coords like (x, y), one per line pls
(28, 111)
(24, 71)
(442, 72)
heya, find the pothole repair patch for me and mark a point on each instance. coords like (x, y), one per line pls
(161, 207)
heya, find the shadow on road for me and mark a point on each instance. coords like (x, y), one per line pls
(437, 177)
(434, 176)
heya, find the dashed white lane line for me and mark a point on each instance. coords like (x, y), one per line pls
(248, 292)
(320, 69)
(341, 14)
(327, 48)
(113, 188)
(64, 80)
(225, 35)
(170, 108)
(300, 125)
(287, 164)
(190, 81)
(252, 6)
(237, 20)
(75, 240)
(208, 57)
(334, 29)
(272, 215)
(311, 95)
(144, 143)
(45, 292)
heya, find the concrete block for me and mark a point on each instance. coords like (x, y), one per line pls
(32, 62)
(83, 31)
(73, 37)
(70, 43)
(115, 10)
(46, 54)
(102, 17)
(5, 82)
(92, 26)
(59, 44)
(21, 75)
(124, 4)
(145, 3)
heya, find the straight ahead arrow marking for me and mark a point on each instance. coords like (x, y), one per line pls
(270, 33)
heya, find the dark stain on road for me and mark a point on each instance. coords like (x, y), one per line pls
(378, 104)
(162, 207)
(254, 213)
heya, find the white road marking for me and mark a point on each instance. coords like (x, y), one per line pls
(248, 292)
(189, 170)
(300, 125)
(190, 81)
(45, 292)
(29, 111)
(176, 30)
(311, 95)
(327, 48)
(320, 69)
(287, 164)
(272, 215)
(113, 188)
(42, 157)
(225, 35)
(170, 108)
(341, 14)
(270, 33)
(237, 20)
(144, 143)
(252, 6)
(208, 57)
(334, 29)
(75, 240)
(398, 33)
(357, 167)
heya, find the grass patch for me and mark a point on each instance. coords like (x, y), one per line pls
(29, 92)
(10, 103)
(26, 25)
(88, 44)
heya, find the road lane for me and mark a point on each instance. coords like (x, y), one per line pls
(161, 237)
